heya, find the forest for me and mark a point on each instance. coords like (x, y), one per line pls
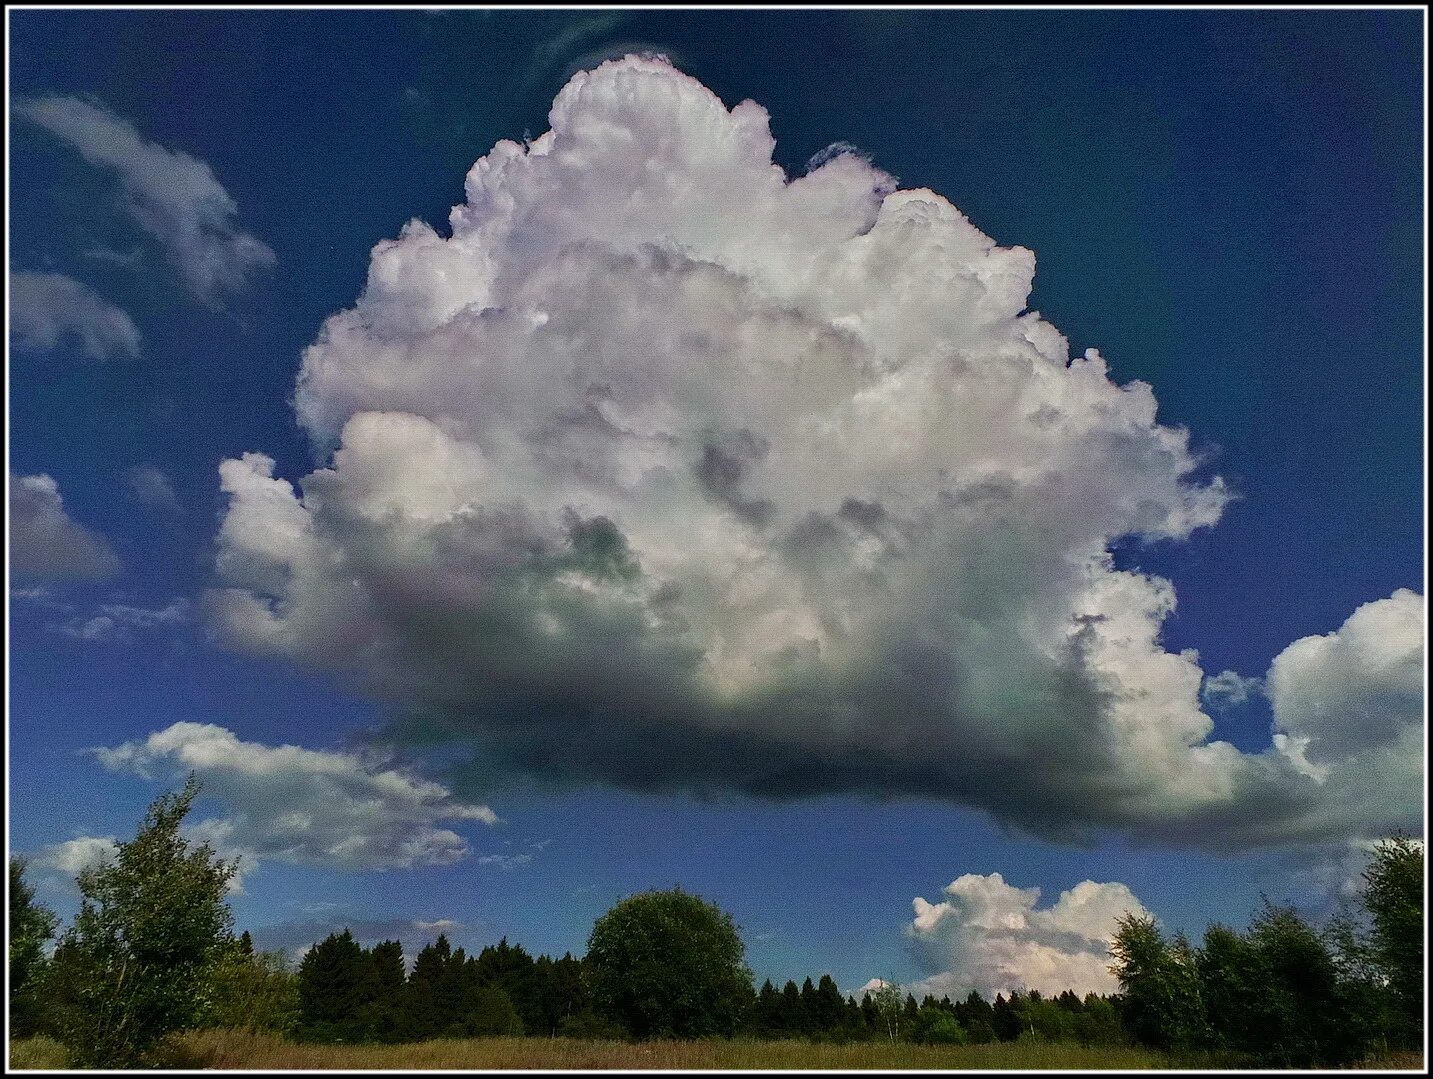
(152, 952)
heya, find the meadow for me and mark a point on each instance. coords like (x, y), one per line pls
(243, 1050)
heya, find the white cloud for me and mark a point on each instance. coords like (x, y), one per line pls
(1357, 688)
(171, 195)
(305, 806)
(73, 856)
(1228, 689)
(45, 544)
(668, 471)
(990, 936)
(46, 308)
(115, 620)
(152, 487)
(439, 924)
(505, 861)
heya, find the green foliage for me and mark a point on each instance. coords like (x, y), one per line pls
(254, 991)
(1296, 1015)
(1393, 898)
(887, 1000)
(488, 1011)
(1160, 984)
(153, 925)
(935, 1025)
(31, 925)
(669, 964)
(336, 983)
(590, 1026)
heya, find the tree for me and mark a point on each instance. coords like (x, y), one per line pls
(887, 998)
(335, 981)
(488, 1012)
(1393, 897)
(1160, 984)
(141, 954)
(936, 1026)
(30, 926)
(255, 991)
(669, 964)
(380, 1017)
(1300, 1011)
(827, 1010)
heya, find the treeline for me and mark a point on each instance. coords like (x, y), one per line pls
(1284, 992)
(348, 993)
(819, 1012)
(152, 952)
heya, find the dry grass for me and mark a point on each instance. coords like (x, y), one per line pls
(259, 1052)
(36, 1053)
(234, 1049)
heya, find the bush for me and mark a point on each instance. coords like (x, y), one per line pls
(590, 1026)
(939, 1028)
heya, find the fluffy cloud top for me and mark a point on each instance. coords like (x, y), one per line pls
(45, 544)
(1351, 692)
(74, 856)
(172, 196)
(305, 806)
(667, 470)
(990, 936)
(46, 308)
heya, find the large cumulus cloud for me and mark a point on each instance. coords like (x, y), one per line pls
(665, 469)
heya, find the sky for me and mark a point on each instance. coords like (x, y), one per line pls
(928, 482)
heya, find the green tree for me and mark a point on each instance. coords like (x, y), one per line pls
(887, 999)
(335, 981)
(1160, 984)
(936, 1026)
(31, 925)
(1300, 1010)
(255, 991)
(669, 964)
(142, 951)
(827, 1011)
(380, 1016)
(1393, 897)
(420, 1017)
(488, 1012)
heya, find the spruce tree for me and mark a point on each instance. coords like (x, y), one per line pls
(335, 982)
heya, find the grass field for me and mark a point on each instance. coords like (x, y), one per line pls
(237, 1049)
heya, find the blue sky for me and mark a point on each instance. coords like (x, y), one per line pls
(1227, 205)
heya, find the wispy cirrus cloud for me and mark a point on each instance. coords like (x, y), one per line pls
(47, 309)
(171, 195)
